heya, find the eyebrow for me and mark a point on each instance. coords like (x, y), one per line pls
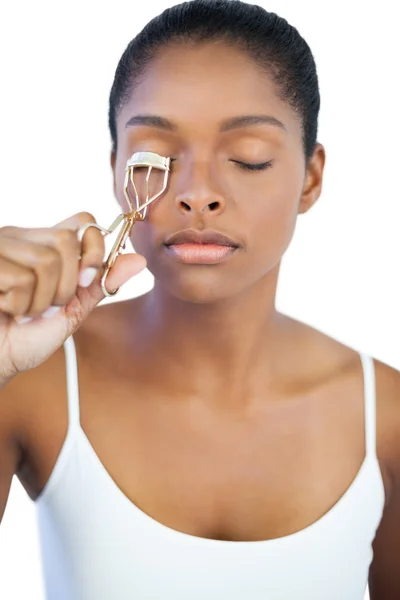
(227, 125)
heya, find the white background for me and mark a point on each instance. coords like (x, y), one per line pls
(340, 273)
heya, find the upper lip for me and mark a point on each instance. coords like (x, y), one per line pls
(191, 236)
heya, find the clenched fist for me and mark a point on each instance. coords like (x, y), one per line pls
(49, 283)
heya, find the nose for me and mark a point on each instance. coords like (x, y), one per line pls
(198, 190)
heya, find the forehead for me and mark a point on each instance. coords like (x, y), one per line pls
(203, 85)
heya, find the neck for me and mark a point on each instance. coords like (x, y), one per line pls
(227, 346)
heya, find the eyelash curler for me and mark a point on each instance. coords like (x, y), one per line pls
(151, 160)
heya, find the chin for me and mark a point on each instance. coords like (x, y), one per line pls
(198, 285)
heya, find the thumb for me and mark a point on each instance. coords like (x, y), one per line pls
(125, 267)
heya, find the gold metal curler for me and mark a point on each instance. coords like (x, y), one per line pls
(139, 159)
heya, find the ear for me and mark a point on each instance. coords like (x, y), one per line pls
(113, 159)
(313, 181)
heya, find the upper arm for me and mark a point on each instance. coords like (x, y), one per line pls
(10, 451)
(384, 574)
(27, 403)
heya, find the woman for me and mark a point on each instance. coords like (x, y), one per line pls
(215, 448)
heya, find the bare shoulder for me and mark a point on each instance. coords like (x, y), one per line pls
(384, 571)
(41, 393)
(38, 397)
(321, 350)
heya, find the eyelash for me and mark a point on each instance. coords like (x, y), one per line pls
(252, 167)
(248, 166)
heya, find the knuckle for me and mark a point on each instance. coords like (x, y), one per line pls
(18, 299)
(5, 304)
(86, 217)
(66, 237)
(48, 259)
(25, 279)
(8, 230)
(12, 303)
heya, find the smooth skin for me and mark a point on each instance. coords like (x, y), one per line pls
(213, 412)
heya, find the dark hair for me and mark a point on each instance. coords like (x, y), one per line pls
(268, 39)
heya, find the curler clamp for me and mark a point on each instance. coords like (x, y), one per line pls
(137, 211)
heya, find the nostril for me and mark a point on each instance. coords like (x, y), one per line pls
(189, 206)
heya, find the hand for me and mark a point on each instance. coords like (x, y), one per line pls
(49, 284)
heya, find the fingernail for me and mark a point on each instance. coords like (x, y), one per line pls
(50, 312)
(21, 320)
(87, 276)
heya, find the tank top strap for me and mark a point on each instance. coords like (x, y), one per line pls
(72, 382)
(369, 393)
(369, 403)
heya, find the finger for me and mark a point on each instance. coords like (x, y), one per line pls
(17, 287)
(65, 242)
(92, 247)
(126, 266)
(75, 221)
(46, 264)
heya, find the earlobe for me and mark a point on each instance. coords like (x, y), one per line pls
(306, 202)
(313, 183)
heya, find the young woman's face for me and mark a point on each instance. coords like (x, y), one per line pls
(194, 91)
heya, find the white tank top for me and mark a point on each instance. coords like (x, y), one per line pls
(97, 545)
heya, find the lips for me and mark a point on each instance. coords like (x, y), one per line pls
(191, 236)
(204, 248)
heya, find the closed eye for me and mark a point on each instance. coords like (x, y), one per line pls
(248, 166)
(253, 167)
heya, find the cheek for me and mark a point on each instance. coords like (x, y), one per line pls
(141, 238)
(273, 218)
(146, 236)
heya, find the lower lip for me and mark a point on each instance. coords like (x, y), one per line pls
(203, 254)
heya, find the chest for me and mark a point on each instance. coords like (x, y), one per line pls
(254, 474)
(261, 471)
